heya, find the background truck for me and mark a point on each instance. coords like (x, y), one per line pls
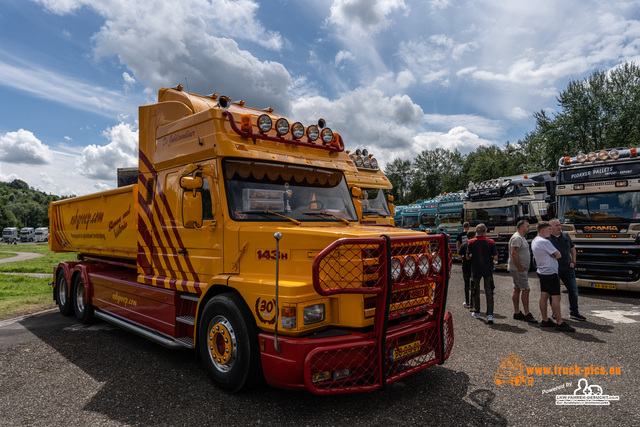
(450, 211)
(501, 203)
(27, 234)
(41, 234)
(411, 217)
(599, 207)
(9, 234)
(429, 215)
(241, 240)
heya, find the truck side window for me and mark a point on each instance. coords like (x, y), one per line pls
(205, 192)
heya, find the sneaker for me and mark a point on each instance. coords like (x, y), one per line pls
(529, 318)
(489, 319)
(563, 327)
(476, 315)
(547, 323)
(578, 316)
(466, 305)
(519, 316)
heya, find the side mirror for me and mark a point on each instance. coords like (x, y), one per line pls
(390, 198)
(191, 182)
(356, 192)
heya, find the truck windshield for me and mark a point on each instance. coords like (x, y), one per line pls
(428, 219)
(257, 190)
(491, 216)
(374, 202)
(605, 207)
(410, 221)
(450, 219)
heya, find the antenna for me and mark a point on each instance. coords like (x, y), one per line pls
(186, 83)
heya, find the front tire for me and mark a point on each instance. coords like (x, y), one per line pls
(228, 343)
(62, 295)
(81, 306)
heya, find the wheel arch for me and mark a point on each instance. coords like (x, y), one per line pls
(213, 291)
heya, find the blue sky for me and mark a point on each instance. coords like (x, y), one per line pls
(394, 76)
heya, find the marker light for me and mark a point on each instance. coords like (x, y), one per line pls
(614, 154)
(282, 126)
(327, 135)
(592, 156)
(567, 160)
(264, 123)
(633, 152)
(245, 122)
(335, 141)
(312, 132)
(409, 266)
(603, 155)
(297, 130)
(581, 157)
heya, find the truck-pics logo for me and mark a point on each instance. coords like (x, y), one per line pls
(511, 371)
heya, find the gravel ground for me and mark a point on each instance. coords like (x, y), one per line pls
(102, 376)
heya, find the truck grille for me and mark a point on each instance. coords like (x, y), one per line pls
(618, 263)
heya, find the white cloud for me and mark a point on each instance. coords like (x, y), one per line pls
(344, 55)
(519, 113)
(22, 147)
(364, 17)
(101, 162)
(163, 45)
(457, 138)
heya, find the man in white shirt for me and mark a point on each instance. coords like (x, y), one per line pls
(547, 256)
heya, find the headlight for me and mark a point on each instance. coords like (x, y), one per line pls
(437, 263)
(264, 123)
(313, 133)
(327, 135)
(409, 266)
(297, 130)
(423, 264)
(396, 269)
(282, 126)
(313, 314)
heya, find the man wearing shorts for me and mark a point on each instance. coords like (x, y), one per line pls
(546, 256)
(518, 266)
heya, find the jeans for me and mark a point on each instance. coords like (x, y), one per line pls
(488, 291)
(568, 278)
(468, 283)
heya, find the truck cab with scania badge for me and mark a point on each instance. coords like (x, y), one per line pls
(598, 198)
(241, 240)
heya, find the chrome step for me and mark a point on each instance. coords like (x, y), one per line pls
(187, 320)
(185, 341)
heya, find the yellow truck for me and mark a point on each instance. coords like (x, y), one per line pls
(241, 241)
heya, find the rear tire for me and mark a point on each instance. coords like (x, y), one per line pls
(62, 295)
(228, 343)
(81, 306)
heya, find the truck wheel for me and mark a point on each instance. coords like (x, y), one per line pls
(62, 295)
(83, 310)
(228, 343)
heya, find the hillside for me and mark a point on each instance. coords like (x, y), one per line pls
(22, 206)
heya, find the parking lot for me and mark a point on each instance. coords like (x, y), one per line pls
(72, 374)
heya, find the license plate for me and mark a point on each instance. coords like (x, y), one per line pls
(603, 286)
(405, 350)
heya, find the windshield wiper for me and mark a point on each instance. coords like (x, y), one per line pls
(328, 214)
(295, 221)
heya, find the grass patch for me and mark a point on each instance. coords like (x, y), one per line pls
(43, 264)
(21, 295)
(6, 255)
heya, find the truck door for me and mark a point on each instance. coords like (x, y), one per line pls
(189, 244)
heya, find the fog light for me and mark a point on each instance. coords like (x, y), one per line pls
(409, 266)
(313, 314)
(436, 262)
(297, 130)
(313, 133)
(396, 269)
(264, 123)
(340, 374)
